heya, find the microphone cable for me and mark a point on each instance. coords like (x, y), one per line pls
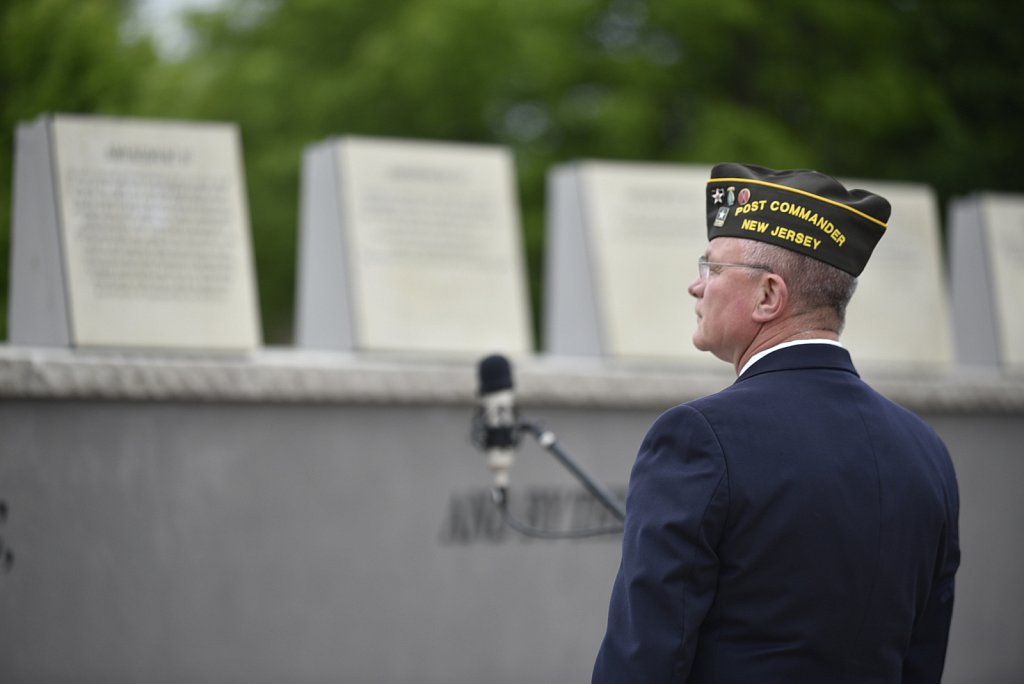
(500, 496)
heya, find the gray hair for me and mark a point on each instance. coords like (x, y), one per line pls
(814, 286)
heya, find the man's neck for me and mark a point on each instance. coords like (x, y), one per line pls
(769, 339)
(761, 354)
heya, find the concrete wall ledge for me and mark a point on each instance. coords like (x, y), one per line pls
(284, 375)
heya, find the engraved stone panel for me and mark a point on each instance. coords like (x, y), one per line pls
(899, 317)
(411, 246)
(151, 223)
(623, 243)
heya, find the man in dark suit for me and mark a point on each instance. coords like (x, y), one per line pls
(796, 527)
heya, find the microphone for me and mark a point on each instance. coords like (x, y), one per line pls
(500, 429)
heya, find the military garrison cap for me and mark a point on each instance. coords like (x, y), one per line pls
(800, 210)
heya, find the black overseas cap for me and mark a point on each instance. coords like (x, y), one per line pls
(800, 210)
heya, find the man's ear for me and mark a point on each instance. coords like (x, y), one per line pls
(772, 298)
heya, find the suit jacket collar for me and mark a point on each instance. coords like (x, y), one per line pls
(802, 356)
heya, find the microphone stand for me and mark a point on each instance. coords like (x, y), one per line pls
(548, 440)
(495, 429)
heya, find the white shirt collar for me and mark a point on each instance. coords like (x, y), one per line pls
(761, 354)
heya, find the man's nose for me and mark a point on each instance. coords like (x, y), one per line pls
(696, 288)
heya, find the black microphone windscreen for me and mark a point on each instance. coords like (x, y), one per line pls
(495, 374)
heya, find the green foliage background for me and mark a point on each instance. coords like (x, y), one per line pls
(912, 90)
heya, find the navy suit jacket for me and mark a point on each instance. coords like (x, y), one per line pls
(794, 528)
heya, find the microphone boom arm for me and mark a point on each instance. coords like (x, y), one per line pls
(548, 440)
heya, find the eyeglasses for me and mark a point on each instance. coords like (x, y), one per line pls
(704, 266)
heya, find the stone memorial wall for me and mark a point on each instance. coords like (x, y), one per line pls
(308, 517)
(305, 515)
